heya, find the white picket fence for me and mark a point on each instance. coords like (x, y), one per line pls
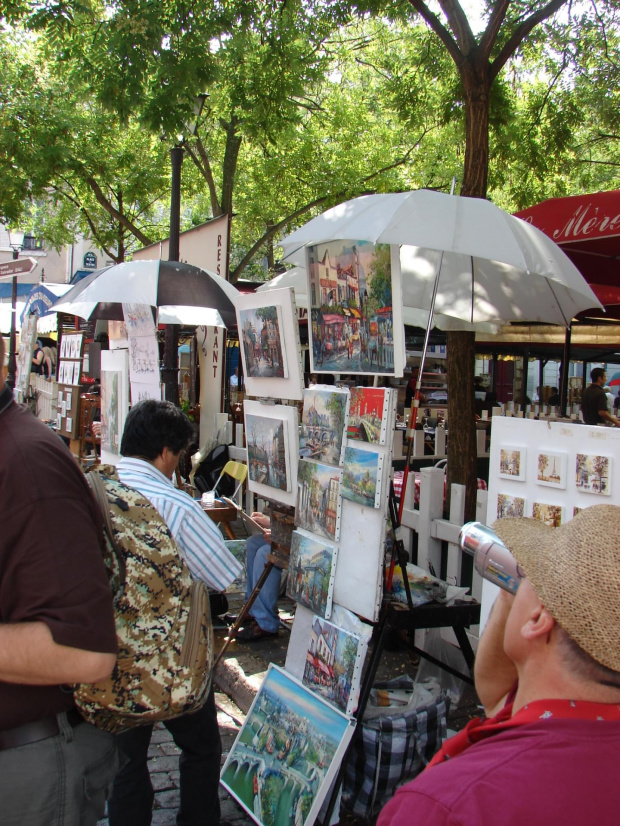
(46, 394)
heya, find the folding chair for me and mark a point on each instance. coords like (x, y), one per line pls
(237, 470)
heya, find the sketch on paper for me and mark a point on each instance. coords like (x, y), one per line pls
(263, 342)
(351, 307)
(551, 515)
(268, 459)
(322, 424)
(593, 474)
(360, 476)
(512, 463)
(551, 469)
(311, 573)
(330, 668)
(143, 357)
(290, 746)
(318, 498)
(139, 320)
(367, 415)
(510, 505)
(110, 410)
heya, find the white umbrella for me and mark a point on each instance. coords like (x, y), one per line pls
(183, 294)
(295, 278)
(492, 266)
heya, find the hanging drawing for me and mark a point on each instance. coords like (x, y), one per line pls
(361, 476)
(593, 474)
(322, 424)
(355, 327)
(263, 342)
(110, 411)
(318, 498)
(510, 505)
(311, 573)
(268, 453)
(512, 463)
(368, 412)
(551, 469)
(552, 515)
(287, 753)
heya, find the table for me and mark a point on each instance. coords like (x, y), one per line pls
(222, 514)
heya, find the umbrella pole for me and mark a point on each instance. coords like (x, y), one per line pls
(413, 416)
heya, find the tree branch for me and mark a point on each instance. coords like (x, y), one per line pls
(520, 33)
(207, 172)
(489, 36)
(111, 210)
(73, 199)
(440, 30)
(459, 24)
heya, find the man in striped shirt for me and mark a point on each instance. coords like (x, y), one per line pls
(155, 434)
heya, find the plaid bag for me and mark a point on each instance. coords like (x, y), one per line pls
(391, 749)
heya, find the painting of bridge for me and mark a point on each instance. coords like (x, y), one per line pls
(311, 573)
(367, 415)
(289, 748)
(322, 424)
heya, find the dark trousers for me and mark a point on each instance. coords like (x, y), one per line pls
(198, 737)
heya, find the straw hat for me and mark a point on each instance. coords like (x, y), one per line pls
(575, 570)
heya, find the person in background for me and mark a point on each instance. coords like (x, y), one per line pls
(48, 363)
(264, 620)
(56, 629)
(234, 380)
(610, 398)
(38, 358)
(554, 398)
(155, 434)
(547, 672)
(479, 388)
(594, 401)
(617, 401)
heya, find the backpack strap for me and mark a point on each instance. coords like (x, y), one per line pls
(98, 488)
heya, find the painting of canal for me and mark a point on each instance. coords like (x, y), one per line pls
(367, 415)
(318, 498)
(268, 461)
(287, 752)
(311, 571)
(263, 342)
(360, 478)
(333, 664)
(322, 424)
(351, 328)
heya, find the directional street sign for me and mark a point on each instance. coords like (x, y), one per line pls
(19, 266)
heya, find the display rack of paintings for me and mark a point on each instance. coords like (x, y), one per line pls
(368, 415)
(322, 424)
(27, 339)
(319, 503)
(287, 753)
(69, 373)
(271, 432)
(270, 347)
(311, 571)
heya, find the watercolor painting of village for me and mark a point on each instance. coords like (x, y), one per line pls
(592, 474)
(512, 463)
(263, 342)
(367, 420)
(311, 573)
(268, 460)
(318, 498)
(510, 505)
(330, 668)
(322, 424)
(351, 326)
(287, 752)
(552, 515)
(360, 478)
(551, 469)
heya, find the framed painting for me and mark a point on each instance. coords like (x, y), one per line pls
(355, 308)
(318, 498)
(322, 424)
(271, 432)
(287, 753)
(512, 463)
(368, 411)
(510, 505)
(311, 573)
(361, 477)
(551, 469)
(263, 342)
(593, 474)
(552, 515)
(110, 411)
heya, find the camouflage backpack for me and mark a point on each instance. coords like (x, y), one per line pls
(163, 622)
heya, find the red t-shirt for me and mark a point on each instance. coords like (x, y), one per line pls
(51, 568)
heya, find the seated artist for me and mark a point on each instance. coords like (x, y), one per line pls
(548, 675)
(263, 615)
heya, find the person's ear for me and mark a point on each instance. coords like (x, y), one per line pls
(540, 623)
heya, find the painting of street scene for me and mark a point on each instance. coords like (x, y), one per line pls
(510, 505)
(512, 463)
(330, 664)
(367, 419)
(263, 342)
(360, 477)
(318, 498)
(110, 411)
(593, 474)
(322, 424)
(351, 307)
(310, 573)
(552, 469)
(551, 515)
(268, 461)
(286, 754)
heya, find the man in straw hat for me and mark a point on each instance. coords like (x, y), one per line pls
(548, 674)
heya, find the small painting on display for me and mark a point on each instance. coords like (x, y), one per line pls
(263, 342)
(593, 474)
(311, 573)
(318, 498)
(268, 459)
(512, 463)
(361, 479)
(552, 515)
(322, 424)
(551, 469)
(510, 505)
(110, 411)
(368, 415)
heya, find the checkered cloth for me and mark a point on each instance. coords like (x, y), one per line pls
(390, 750)
(398, 484)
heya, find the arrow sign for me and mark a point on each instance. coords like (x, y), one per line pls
(18, 267)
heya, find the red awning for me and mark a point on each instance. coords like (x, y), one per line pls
(332, 319)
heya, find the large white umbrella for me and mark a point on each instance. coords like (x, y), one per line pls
(492, 267)
(295, 278)
(182, 293)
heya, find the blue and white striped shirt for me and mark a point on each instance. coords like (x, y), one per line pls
(198, 537)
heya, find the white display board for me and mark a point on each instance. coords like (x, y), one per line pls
(548, 470)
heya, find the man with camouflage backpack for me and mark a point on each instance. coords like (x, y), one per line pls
(155, 434)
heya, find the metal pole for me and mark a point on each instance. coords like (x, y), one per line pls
(11, 376)
(170, 369)
(564, 375)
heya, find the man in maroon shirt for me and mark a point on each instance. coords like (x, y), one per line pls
(56, 628)
(548, 674)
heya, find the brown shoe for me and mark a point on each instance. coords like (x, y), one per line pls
(252, 632)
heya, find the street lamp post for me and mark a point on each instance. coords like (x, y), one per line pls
(16, 241)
